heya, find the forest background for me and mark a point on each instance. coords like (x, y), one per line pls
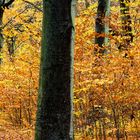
(106, 89)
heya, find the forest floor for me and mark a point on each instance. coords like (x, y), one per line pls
(15, 134)
(7, 133)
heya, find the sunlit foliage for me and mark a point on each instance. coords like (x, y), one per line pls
(106, 87)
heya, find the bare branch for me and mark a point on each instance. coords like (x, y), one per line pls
(8, 4)
(33, 5)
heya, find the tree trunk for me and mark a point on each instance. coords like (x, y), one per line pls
(116, 123)
(101, 25)
(54, 116)
(104, 129)
(100, 130)
(1, 35)
(127, 36)
(96, 131)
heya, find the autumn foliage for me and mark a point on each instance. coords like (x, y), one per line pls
(106, 87)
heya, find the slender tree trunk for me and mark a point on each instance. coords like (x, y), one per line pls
(96, 131)
(100, 130)
(20, 114)
(127, 36)
(54, 116)
(1, 34)
(104, 129)
(101, 24)
(116, 123)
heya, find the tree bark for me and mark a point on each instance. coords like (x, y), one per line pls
(55, 109)
(127, 36)
(1, 34)
(101, 24)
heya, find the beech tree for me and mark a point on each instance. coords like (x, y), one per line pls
(101, 24)
(54, 116)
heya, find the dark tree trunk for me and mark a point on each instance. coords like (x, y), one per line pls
(101, 24)
(127, 36)
(54, 115)
(1, 34)
(104, 129)
(116, 123)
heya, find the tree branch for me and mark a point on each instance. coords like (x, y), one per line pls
(8, 4)
(33, 5)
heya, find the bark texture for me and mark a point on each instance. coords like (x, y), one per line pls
(1, 34)
(54, 116)
(101, 24)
